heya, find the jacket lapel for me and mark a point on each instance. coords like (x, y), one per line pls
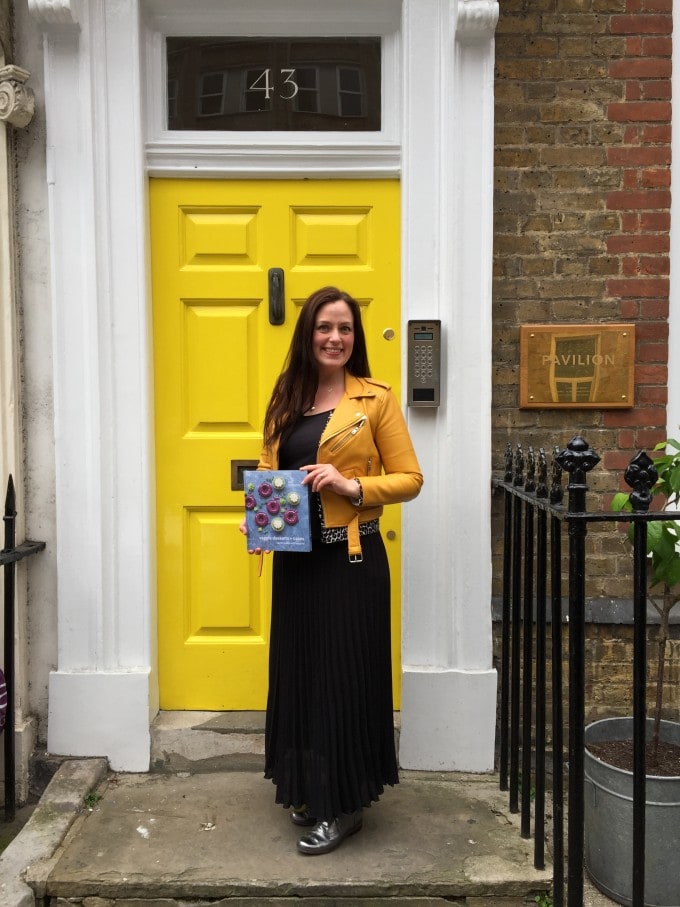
(350, 406)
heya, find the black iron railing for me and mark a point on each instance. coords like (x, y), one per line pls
(10, 554)
(532, 552)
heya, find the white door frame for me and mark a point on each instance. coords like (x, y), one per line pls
(101, 143)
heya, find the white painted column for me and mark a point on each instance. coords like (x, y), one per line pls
(102, 694)
(16, 110)
(449, 683)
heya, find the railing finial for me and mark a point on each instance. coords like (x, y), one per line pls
(519, 466)
(10, 515)
(10, 498)
(641, 476)
(542, 486)
(530, 484)
(556, 490)
(578, 459)
(508, 463)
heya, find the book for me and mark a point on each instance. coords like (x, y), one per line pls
(277, 510)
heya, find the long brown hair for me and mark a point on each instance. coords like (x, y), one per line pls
(296, 386)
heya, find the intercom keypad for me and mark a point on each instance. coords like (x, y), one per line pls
(424, 346)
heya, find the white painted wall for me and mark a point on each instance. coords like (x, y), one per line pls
(101, 695)
(11, 424)
(449, 684)
(38, 415)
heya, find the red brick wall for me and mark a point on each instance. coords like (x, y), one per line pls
(641, 201)
(582, 218)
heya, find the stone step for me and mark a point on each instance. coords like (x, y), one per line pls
(161, 840)
(393, 901)
(207, 742)
(212, 741)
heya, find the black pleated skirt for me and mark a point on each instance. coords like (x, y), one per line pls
(330, 728)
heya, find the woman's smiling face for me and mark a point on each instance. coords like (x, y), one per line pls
(333, 338)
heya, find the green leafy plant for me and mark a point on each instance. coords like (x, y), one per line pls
(91, 800)
(663, 550)
(544, 900)
(532, 789)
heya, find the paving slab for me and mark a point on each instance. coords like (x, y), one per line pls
(189, 837)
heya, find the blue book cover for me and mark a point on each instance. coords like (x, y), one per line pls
(277, 510)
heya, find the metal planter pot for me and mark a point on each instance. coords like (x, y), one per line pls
(609, 821)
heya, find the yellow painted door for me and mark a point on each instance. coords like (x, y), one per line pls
(216, 357)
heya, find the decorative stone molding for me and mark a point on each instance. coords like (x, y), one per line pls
(476, 21)
(17, 102)
(53, 12)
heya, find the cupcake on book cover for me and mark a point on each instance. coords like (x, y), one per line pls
(277, 510)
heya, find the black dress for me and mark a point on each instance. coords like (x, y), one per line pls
(329, 740)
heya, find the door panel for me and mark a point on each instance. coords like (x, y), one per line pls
(216, 357)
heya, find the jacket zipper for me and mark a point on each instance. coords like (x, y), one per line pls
(346, 433)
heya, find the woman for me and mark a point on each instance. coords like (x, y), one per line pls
(329, 741)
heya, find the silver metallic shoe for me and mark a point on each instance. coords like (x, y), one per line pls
(300, 815)
(326, 836)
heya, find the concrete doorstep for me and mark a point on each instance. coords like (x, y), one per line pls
(159, 839)
(39, 840)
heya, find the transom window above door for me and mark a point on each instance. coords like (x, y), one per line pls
(274, 84)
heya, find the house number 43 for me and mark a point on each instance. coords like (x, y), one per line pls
(287, 89)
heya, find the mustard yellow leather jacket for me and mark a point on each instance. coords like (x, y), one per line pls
(366, 438)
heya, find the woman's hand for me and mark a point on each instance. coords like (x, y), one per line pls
(243, 529)
(325, 475)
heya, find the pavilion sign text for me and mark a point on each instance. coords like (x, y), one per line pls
(577, 366)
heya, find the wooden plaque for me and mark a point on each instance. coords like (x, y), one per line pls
(576, 366)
